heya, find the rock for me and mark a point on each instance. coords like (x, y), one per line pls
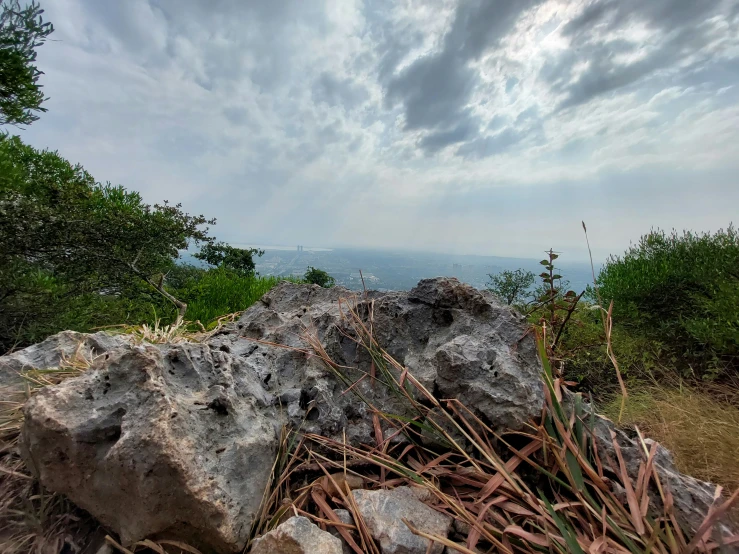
(298, 535)
(177, 440)
(383, 510)
(345, 517)
(156, 442)
(50, 353)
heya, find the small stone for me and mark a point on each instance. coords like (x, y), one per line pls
(383, 512)
(298, 535)
(345, 517)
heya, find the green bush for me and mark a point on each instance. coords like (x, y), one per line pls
(319, 277)
(681, 291)
(220, 291)
(75, 252)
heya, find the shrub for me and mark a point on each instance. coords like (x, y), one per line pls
(220, 291)
(681, 290)
(511, 286)
(319, 277)
(65, 237)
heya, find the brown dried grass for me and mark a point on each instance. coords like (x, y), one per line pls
(699, 427)
(550, 491)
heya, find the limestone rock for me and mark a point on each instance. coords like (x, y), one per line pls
(383, 510)
(50, 352)
(153, 444)
(177, 440)
(298, 535)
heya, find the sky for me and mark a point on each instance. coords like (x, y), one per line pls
(466, 126)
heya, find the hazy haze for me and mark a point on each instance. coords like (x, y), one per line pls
(483, 127)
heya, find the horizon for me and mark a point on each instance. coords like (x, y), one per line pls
(484, 127)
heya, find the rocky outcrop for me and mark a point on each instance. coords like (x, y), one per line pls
(383, 512)
(297, 536)
(179, 439)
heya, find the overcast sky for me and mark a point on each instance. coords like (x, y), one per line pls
(481, 126)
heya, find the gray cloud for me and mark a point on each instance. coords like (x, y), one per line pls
(430, 122)
(435, 90)
(336, 91)
(491, 145)
(680, 32)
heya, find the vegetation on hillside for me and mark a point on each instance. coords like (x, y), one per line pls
(319, 277)
(22, 31)
(673, 300)
(77, 254)
(511, 286)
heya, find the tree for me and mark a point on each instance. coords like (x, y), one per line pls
(511, 286)
(64, 236)
(240, 260)
(22, 31)
(319, 277)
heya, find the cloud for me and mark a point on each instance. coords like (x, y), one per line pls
(618, 43)
(436, 88)
(336, 91)
(436, 124)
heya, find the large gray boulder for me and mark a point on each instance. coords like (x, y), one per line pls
(178, 440)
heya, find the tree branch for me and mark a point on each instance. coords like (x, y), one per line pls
(159, 287)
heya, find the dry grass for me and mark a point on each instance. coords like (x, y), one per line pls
(179, 332)
(545, 489)
(701, 428)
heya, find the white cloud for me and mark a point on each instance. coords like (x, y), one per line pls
(274, 117)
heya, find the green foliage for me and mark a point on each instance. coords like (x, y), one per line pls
(64, 237)
(681, 290)
(319, 277)
(22, 30)
(220, 291)
(582, 350)
(511, 286)
(230, 257)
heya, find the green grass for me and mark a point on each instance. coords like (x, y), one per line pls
(219, 292)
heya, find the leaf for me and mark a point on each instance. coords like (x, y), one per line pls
(567, 534)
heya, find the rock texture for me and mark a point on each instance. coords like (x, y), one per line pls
(151, 442)
(51, 352)
(178, 440)
(383, 512)
(298, 535)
